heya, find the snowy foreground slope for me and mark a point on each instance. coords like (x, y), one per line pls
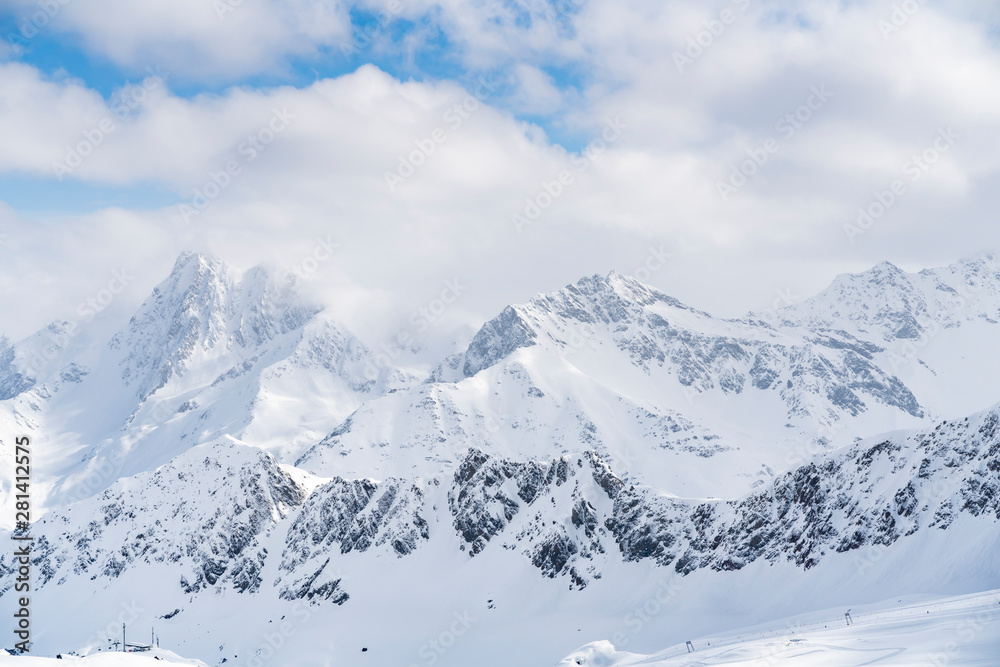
(958, 631)
(239, 473)
(160, 657)
(948, 631)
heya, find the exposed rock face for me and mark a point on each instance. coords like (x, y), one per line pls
(209, 353)
(543, 510)
(498, 338)
(207, 512)
(613, 366)
(886, 304)
(657, 331)
(212, 512)
(870, 494)
(344, 516)
(12, 380)
(602, 437)
(201, 307)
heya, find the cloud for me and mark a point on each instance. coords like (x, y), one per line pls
(537, 93)
(418, 181)
(201, 40)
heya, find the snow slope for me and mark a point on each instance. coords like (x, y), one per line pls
(208, 354)
(150, 658)
(947, 631)
(699, 406)
(603, 462)
(938, 327)
(670, 395)
(533, 549)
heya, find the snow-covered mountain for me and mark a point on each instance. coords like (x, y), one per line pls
(939, 327)
(693, 404)
(210, 353)
(568, 516)
(890, 304)
(226, 524)
(601, 451)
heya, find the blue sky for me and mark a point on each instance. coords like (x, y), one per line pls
(373, 39)
(64, 56)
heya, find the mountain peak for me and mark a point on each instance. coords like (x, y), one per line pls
(616, 277)
(885, 267)
(885, 274)
(896, 305)
(609, 299)
(629, 287)
(616, 286)
(189, 259)
(984, 266)
(204, 307)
